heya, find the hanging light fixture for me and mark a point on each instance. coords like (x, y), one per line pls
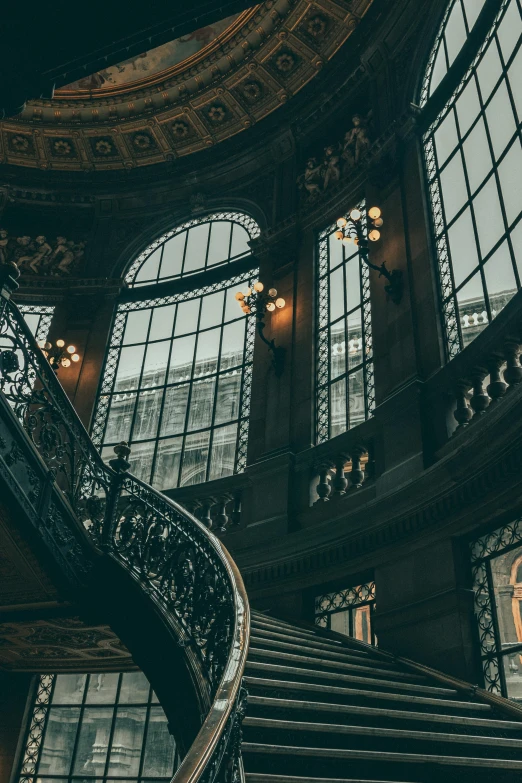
(353, 229)
(58, 355)
(258, 301)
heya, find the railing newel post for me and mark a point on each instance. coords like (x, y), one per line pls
(120, 466)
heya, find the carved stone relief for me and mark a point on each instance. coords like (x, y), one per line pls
(41, 256)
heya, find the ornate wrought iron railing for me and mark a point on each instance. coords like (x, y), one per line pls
(178, 563)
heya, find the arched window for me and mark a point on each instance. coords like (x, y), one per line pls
(177, 376)
(344, 364)
(474, 162)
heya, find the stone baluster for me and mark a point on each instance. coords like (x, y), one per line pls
(221, 516)
(462, 413)
(496, 387)
(206, 517)
(324, 487)
(513, 371)
(236, 511)
(357, 473)
(479, 400)
(340, 482)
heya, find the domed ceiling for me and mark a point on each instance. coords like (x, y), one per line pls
(185, 95)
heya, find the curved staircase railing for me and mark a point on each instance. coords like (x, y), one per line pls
(178, 563)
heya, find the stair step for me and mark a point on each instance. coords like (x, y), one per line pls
(314, 643)
(257, 652)
(267, 639)
(490, 745)
(382, 756)
(295, 671)
(365, 695)
(379, 713)
(290, 631)
(318, 633)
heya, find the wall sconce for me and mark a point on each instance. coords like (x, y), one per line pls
(351, 229)
(255, 300)
(58, 355)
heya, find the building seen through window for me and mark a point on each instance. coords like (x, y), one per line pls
(348, 611)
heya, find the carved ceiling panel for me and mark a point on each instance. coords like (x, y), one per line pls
(263, 58)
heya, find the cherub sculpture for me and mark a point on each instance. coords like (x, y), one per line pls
(312, 179)
(331, 171)
(356, 142)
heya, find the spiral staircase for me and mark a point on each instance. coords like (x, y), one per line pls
(263, 700)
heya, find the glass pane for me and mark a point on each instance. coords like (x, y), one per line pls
(207, 352)
(147, 414)
(223, 452)
(453, 187)
(194, 469)
(516, 241)
(337, 350)
(228, 397)
(162, 322)
(181, 359)
(166, 472)
(468, 106)
(362, 624)
(137, 326)
(510, 173)
(509, 30)
(439, 68)
(446, 138)
(156, 361)
(187, 317)
(240, 239)
(196, 252)
(232, 308)
(68, 688)
(102, 688)
(59, 740)
(353, 284)
(500, 278)
(175, 410)
(472, 309)
(120, 417)
(233, 344)
(336, 294)
(127, 741)
(212, 310)
(463, 247)
(340, 622)
(455, 33)
(477, 156)
(129, 368)
(141, 460)
(201, 404)
(172, 260)
(338, 407)
(490, 224)
(515, 82)
(355, 341)
(219, 242)
(93, 741)
(160, 748)
(335, 251)
(501, 122)
(134, 688)
(489, 70)
(472, 9)
(356, 400)
(512, 665)
(149, 268)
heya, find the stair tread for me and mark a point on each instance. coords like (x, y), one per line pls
(285, 656)
(385, 695)
(295, 670)
(380, 712)
(338, 651)
(312, 641)
(380, 755)
(290, 630)
(378, 732)
(256, 777)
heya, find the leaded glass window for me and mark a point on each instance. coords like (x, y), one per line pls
(473, 155)
(98, 727)
(197, 245)
(177, 378)
(344, 352)
(348, 611)
(497, 583)
(38, 319)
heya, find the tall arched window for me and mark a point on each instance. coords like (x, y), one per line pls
(344, 351)
(474, 161)
(177, 376)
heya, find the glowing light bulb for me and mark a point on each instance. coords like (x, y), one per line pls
(60, 343)
(342, 222)
(378, 222)
(338, 235)
(248, 292)
(374, 213)
(374, 235)
(47, 346)
(270, 306)
(75, 357)
(258, 286)
(355, 214)
(272, 292)
(246, 309)
(240, 296)
(66, 362)
(280, 302)
(71, 349)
